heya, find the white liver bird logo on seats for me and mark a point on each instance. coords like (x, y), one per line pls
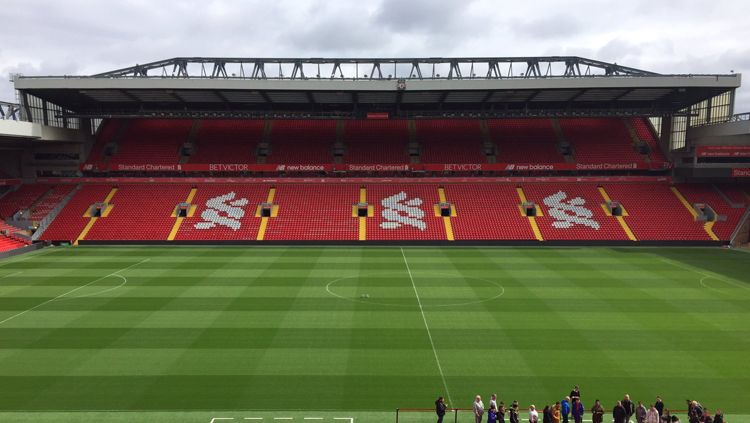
(569, 213)
(232, 212)
(397, 212)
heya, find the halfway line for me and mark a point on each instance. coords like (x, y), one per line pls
(71, 291)
(429, 334)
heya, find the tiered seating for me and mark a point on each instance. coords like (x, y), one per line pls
(227, 141)
(314, 212)
(152, 141)
(323, 211)
(737, 194)
(586, 220)
(487, 211)
(49, 201)
(140, 212)
(7, 240)
(242, 216)
(415, 221)
(302, 142)
(70, 221)
(656, 213)
(524, 140)
(643, 129)
(21, 199)
(604, 140)
(450, 141)
(8, 243)
(107, 132)
(375, 141)
(695, 193)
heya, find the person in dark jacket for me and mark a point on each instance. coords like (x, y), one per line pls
(514, 412)
(492, 414)
(719, 416)
(695, 411)
(619, 414)
(501, 412)
(546, 414)
(575, 393)
(597, 412)
(440, 408)
(629, 406)
(659, 404)
(565, 409)
(577, 410)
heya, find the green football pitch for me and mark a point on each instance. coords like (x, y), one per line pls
(338, 334)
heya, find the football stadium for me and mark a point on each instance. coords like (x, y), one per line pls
(343, 239)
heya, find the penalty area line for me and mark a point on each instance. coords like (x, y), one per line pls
(71, 291)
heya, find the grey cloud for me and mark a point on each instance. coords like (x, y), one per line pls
(548, 27)
(432, 16)
(81, 36)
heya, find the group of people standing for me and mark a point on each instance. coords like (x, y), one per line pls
(571, 406)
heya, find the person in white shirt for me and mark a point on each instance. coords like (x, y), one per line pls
(493, 401)
(478, 409)
(652, 416)
(533, 415)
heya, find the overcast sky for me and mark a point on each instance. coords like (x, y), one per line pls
(53, 37)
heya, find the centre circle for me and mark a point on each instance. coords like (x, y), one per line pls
(334, 288)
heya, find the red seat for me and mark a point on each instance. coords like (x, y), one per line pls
(524, 141)
(376, 141)
(302, 142)
(227, 141)
(314, 212)
(600, 140)
(450, 141)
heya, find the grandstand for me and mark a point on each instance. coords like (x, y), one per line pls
(573, 151)
(445, 164)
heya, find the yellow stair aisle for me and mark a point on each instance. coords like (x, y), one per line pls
(363, 220)
(92, 219)
(532, 219)
(446, 220)
(708, 226)
(620, 219)
(264, 220)
(178, 222)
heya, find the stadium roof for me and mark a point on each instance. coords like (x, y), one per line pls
(324, 87)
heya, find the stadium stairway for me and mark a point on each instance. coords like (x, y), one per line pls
(730, 216)
(396, 212)
(310, 212)
(44, 206)
(405, 212)
(7, 240)
(223, 212)
(487, 212)
(72, 219)
(25, 197)
(573, 212)
(133, 215)
(655, 213)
